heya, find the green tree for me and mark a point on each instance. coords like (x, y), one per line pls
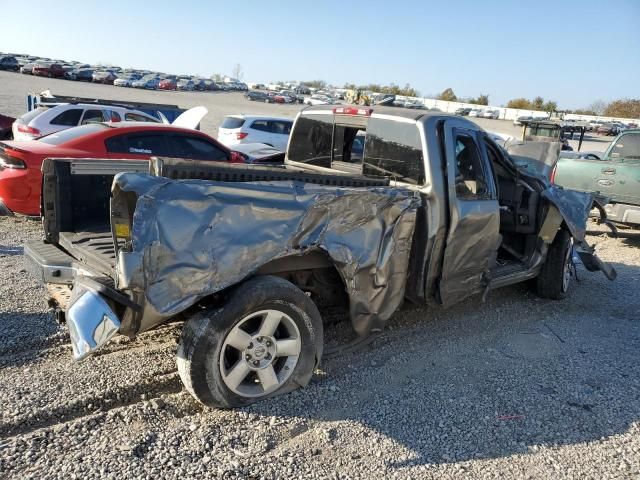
(482, 99)
(583, 111)
(624, 108)
(448, 95)
(519, 103)
(538, 103)
(550, 107)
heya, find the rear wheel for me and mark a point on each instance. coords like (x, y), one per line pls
(264, 341)
(555, 275)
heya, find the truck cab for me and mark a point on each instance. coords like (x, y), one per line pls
(483, 222)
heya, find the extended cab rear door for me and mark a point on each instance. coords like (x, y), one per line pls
(473, 235)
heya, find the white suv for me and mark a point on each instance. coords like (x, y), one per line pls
(271, 131)
(45, 120)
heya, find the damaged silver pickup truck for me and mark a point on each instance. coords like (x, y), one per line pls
(430, 210)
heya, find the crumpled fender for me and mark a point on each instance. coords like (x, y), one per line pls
(574, 207)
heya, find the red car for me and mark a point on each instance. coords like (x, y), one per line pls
(20, 162)
(51, 70)
(167, 85)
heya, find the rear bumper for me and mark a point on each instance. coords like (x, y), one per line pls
(90, 306)
(92, 322)
(50, 264)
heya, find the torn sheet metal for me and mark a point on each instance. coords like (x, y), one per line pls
(192, 238)
(573, 206)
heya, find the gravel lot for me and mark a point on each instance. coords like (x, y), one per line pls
(515, 387)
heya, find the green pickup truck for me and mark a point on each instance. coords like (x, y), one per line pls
(615, 176)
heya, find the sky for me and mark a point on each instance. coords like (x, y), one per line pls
(573, 51)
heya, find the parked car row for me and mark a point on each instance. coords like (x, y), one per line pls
(112, 75)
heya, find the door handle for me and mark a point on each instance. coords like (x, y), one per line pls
(609, 171)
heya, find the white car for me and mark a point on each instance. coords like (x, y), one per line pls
(475, 113)
(319, 100)
(272, 131)
(44, 120)
(489, 113)
(124, 82)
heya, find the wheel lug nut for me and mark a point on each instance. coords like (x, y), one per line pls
(268, 343)
(256, 363)
(259, 339)
(267, 356)
(247, 356)
(250, 345)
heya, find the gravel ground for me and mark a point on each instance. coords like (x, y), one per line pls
(515, 387)
(14, 88)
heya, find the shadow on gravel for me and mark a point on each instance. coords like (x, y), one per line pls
(628, 237)
(486, 380)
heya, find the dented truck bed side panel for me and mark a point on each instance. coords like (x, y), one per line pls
(183, 230)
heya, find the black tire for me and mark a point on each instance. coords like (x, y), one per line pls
(202, 342)
(553, 279)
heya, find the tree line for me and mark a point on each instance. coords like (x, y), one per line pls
(624, 108)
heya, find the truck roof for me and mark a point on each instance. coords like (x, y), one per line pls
(408, 113)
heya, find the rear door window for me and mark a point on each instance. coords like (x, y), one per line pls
(189, 146)
(92, 116)
(134, 117)
(261, 125)
(232, 122)
(68, 118)
(112, 116)
(394, 149)
(280, 127)
(138, 144)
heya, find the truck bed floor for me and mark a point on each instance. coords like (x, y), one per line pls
(93, 247)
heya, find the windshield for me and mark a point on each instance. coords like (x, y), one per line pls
(72, 133)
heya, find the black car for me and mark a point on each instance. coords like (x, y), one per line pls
(85, 75)
(462, 111)
(257, 96)
(9, 63)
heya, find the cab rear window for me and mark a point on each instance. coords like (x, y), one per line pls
(394, 149)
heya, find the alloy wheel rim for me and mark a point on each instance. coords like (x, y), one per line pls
(260, 353)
